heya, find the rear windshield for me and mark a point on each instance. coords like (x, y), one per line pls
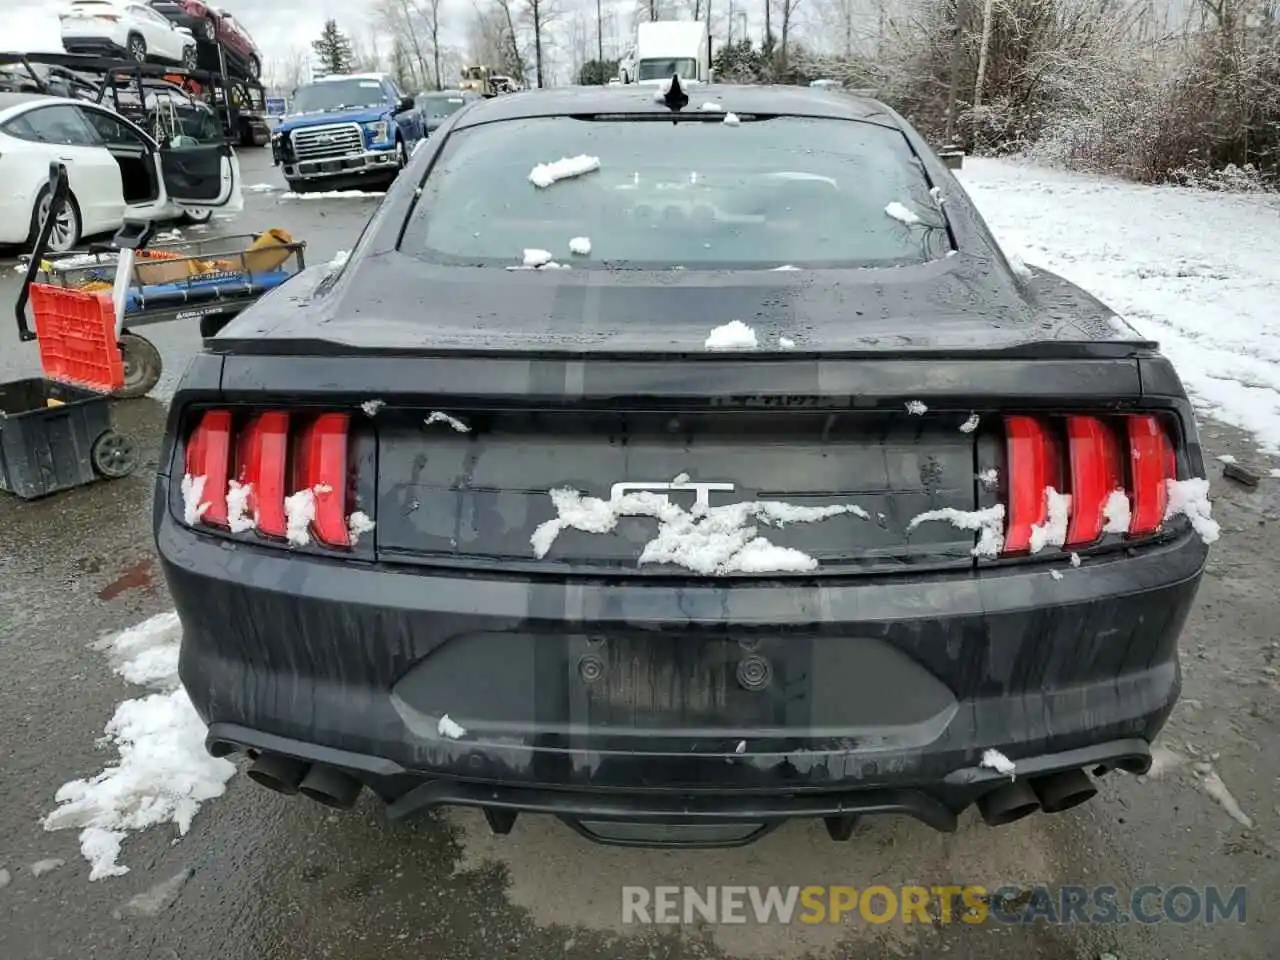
(438, 105)
(697, 194)
(686, 68)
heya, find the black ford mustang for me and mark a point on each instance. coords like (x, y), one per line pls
(721, 472)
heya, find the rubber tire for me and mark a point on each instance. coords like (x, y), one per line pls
(76, 226)
(143, 366)
(191, 218)
(190, 57)
(254, 69)
(301, 186)
(402, 161)
(137, 49)
(113, 455)
(210, 31)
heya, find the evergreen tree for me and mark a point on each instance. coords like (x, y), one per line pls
(333, 49)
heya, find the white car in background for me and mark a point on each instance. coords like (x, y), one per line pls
(114, 169)
(131, 29)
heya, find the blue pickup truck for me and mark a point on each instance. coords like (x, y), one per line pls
(344, 132)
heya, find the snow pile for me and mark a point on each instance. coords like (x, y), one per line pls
(786, 343)
(989, 478)
(534, 257)
(238, 516)
(997, 761)
(439, 417)
(1116, 512)
(371, 407)
(163, 774)
(299, 512)
(1053, 532)
(708, 540)
(451, 729)
(730, 336)
(1017, 265)
(1075, 560)
(1190, 499)
(339, 260)
(901, 213)
(989, 524)
(1173, 266)
(358, 523)
(260, 188)
(1226, 458)
(711, 107)
(193, 507)
(916, 408)
(334, 195)
(971, 424)
(784, 268)
(545, 174)
(581, 246)
(731, 120)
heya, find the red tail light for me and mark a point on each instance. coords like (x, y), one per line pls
(263, 453)
(209, 458)
(322, 468)
(1033, 467)
(1150, 463)
(1095, 473)
(1095, 470)
(279, 460)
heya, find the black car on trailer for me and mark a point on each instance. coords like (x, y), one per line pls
(788, 498)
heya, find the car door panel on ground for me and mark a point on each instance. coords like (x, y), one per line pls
(92, 173)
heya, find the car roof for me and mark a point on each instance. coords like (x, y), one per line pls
(350, 76)
(8, 100)
(638, 99)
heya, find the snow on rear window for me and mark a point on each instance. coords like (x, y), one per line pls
(805, 192)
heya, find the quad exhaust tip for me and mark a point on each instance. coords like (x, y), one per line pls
(1007, 803)
(331, 787)
(290, 776)
(1051, 793)
(1064, 790)
(278, 773)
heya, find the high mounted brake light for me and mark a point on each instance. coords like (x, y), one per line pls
(253, 471)
(1088, 460)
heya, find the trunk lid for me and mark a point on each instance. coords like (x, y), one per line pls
(662, 492)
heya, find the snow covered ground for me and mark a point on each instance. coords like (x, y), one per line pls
(163, 774)
(1197, 271)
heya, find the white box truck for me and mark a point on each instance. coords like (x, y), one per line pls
(666, 48)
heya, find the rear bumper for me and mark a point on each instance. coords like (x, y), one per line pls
(113, 46)
(874, 696)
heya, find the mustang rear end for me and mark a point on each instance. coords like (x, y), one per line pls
(516, 540)
(437, 659)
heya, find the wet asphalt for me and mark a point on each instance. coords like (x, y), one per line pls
(263, 878)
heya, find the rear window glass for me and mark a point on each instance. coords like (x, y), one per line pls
(697, 194)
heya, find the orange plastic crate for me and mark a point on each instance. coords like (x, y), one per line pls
(76, 332)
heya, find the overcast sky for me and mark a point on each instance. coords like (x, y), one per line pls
(280, 26)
